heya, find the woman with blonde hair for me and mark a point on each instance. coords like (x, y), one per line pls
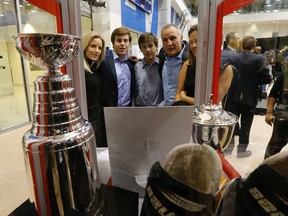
(93, 40)
(94, 53)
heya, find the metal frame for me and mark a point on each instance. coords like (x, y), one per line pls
(71, 18)
(205, 50)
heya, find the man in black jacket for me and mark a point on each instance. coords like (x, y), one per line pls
(252, 71)
(277, 113)
(232, 41)
(118, 77)
(228, 55)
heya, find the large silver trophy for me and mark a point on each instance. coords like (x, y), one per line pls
(60, 148)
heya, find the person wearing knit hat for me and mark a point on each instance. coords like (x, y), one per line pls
(184, 183)
(278, 116)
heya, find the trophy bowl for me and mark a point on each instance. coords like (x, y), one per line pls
(47, 50)
(212, 125)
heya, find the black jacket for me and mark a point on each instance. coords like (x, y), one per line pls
(252, 72)
(109, 91)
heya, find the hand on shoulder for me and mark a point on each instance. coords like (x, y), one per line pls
(133, 58)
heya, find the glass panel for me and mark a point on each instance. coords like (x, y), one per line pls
(37, 21)
(267, 21)
(86, 24)
(13, 109)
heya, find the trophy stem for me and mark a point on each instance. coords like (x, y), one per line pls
(56, 110)
(53, 70)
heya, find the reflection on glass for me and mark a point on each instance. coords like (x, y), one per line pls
(257, 6)
(14, 109)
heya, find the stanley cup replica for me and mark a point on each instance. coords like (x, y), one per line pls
(60, 148)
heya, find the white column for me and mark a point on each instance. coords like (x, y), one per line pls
(164, 14)
(205, 57)
(72, 25)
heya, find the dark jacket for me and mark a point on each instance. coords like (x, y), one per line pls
(94, 107)
(109, 91)
(252, 72)
(227, 57)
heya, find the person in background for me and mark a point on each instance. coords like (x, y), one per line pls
(252, 71)
(171, 57)
(269, 56)
(232, 41)
(279, 61)
(228, 56)
(118, 75)
(261, 88)
(149, 88)
(94, 53)
(278, 117)
(229, 75)
(257, 50)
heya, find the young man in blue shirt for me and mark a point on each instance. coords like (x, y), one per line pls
(149, 88)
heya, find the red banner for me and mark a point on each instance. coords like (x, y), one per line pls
(232, 5)
(52, 7)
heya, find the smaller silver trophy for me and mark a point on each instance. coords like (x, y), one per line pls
(212, 125)
(60, 148)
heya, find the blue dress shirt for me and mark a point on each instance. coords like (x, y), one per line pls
(170, 74)
(148, 84)
(123, 80)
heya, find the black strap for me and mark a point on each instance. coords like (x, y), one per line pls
(264, 192)
(165, 195)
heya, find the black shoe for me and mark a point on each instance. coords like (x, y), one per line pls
(244, 154)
